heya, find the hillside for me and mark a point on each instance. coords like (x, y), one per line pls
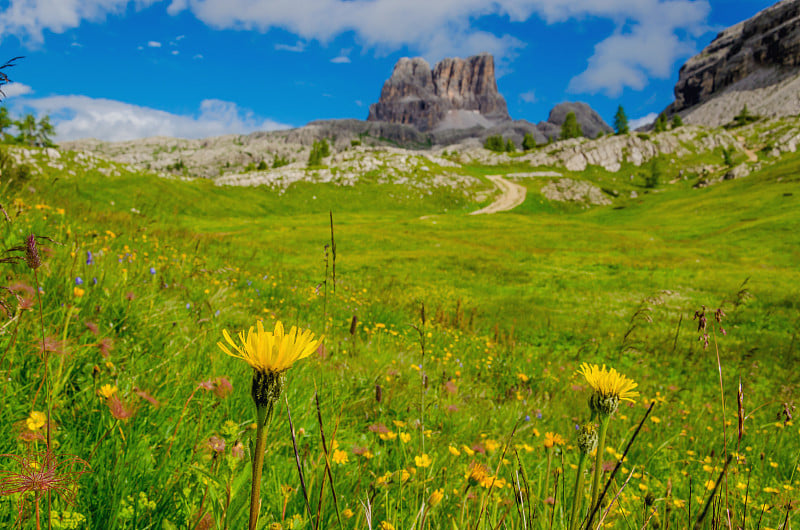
(143, 271)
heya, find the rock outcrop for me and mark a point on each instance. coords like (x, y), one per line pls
(591, 123)
(455, 94)
(760, 53)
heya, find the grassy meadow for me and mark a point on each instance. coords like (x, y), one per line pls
(466, 419)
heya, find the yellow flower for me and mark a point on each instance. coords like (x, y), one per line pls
(107, 391)
(422, 461)
(274, 351)
(609, 386)
(405, 437)
(78, 292)
(453, 451)
(36, 420)
(386, 525)
(491, 445)
(388, 435)
(348, 513)
(436, 497)
(477, 474)
(398, 423)
(522, 377)
(467, 450)
(339, 457)
(551, 439)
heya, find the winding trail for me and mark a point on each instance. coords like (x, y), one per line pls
(511, 196)
(751, 156)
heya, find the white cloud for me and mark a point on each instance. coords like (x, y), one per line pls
(644, 120)
(175, 52)
(528, 97)
(649, 35)
(15, 89)
(153, 44)
(84, 117)
(297, 48)
(28, 19)
(342, 59)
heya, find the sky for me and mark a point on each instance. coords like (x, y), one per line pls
(125, 69)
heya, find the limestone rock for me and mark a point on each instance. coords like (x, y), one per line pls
(591, 123)
(568, 190)
(455, 94)
(755, 63)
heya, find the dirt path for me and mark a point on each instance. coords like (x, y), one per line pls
(511, 196)
(751, 156)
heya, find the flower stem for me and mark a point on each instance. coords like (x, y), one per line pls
(578, 498)
(264, 417)
(598, 465)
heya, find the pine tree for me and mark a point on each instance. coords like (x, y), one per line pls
(510, 147)
(495, 143)
(661, 123)
(570, 128)
(621, 121)
(676, 121)
(528, 142)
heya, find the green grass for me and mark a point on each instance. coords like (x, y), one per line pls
(514, 303)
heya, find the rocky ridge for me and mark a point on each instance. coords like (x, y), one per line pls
(755, 63)
(455, 94)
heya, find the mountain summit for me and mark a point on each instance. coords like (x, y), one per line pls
(455, 94)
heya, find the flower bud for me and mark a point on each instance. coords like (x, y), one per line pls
(587, 438)
(267, 387)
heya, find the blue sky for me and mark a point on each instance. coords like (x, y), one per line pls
(123, 69)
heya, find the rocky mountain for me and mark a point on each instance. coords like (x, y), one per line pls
(755, 63)
(455, 94)
(591, 123)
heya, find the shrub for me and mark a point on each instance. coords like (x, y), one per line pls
(495, 143)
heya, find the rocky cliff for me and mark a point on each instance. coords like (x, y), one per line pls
(754, 63)
(455, 94)
(590, 121)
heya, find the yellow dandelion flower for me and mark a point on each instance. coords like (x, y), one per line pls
(107, 391)
(436, 497)
(274, 351)
(339, 457)
(551, 439)
(422, 461)
(477, 474)
(610, 387)
(36, 420)
(522, 377)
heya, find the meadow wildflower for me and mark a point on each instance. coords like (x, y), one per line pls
(43, 473)
(422, 461)
(36, 420)
(339, 457)
(609, 386)
(270, 354)
(552, 439)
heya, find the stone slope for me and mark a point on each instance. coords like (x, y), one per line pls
(456, 93)
(755, 62)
